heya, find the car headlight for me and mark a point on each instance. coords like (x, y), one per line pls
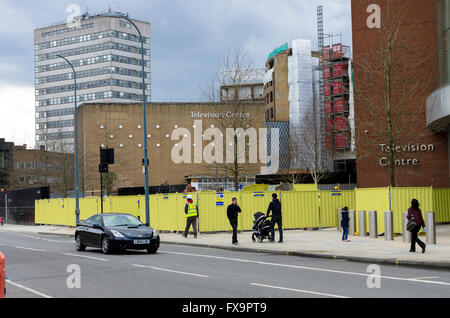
(155, 233)
(117, 234)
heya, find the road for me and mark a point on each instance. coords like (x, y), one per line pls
(37, 267)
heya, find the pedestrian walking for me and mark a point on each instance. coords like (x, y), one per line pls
(275, 208)
(191, 211)
(1, 220)
(345, 224)
(233, 211)
(415, 223)
(139, 215)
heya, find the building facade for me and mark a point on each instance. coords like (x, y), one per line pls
(33, 168)
(399, 140)
(292, 103)
(182, 138)
(6, 163)
(249, 85)
(106, 54)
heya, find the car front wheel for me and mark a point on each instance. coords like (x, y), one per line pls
(152, 249)
(106, 246)
(79, 247)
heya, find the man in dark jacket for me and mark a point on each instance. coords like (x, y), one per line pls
(275, 207)
(233, 211)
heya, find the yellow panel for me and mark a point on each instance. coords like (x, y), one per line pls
(372, 199)
(441, 205)
(329, 205)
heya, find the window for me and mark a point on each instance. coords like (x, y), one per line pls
(271, 113)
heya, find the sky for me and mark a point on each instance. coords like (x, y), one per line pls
(188, 39)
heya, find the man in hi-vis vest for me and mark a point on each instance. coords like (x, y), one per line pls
(191, 211)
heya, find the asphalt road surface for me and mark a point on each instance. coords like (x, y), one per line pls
(42, 265)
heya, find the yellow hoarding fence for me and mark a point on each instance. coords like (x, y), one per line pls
(301, 209)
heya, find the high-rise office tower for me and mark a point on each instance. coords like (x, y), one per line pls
(106, 54)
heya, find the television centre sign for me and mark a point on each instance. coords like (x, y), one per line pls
(198, 115)
(409, 148)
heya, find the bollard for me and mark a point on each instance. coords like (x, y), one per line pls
(339, 217)
(388, 226)
(373, 224)
(2, 276)
(431, 227)
(351, 227)
(406, 233)
(362, 223)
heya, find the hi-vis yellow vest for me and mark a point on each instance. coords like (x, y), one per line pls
(192, 210)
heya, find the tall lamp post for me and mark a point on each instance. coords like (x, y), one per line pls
(77, 195)
(144, 111)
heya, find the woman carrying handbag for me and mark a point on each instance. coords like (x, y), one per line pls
(415, 223)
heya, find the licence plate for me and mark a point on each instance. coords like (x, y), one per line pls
(141, 242)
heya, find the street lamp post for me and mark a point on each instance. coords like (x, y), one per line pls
(144, 112)
(77, 195)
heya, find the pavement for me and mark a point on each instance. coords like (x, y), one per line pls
(48, 266)
(325, 243)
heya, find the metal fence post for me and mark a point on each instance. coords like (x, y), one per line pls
(406, 233)
(362, 223)
(351, 228)
(339, 217)
(388, 226)
(431, 227)
(373, 224)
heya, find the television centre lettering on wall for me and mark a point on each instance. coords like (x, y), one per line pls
(384, 161)
(198, 115)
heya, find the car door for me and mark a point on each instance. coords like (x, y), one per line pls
(95, 234)
(83, 230)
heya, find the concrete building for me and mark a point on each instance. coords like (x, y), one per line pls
(291, 90)
(250, 86)
(106, 55)
(34, 168)
(6, 163)
(174, 130)
(420, 102)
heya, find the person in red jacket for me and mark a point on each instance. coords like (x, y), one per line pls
(416, 213)
(1, 220)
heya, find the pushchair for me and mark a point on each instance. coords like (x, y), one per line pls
(261, 227)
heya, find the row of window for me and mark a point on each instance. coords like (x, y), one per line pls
(89, 61)
(89, 85)
(91, 73)
(36, 166)
(55, 124)
(65, 30)
(39, 179)
(91, 49)
(55, 136)
(82, 98)
(89, 37)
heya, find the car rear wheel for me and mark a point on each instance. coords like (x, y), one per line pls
(79, 247)
(152, 250)
(106, 246)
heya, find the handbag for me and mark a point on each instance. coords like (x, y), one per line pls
(412, 224)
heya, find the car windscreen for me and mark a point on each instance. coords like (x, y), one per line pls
(120, 220)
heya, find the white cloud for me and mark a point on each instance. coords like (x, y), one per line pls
(17, 114)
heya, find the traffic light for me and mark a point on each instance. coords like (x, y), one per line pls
(103, 168)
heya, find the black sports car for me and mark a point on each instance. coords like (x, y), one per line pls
(115, 231)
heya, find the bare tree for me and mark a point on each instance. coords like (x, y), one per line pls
(308, 148)
(230, 96)
(391, 80)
